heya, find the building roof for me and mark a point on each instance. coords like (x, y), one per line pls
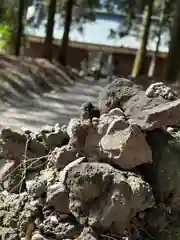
(98, 32)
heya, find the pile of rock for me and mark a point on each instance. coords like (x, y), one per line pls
(111, 174)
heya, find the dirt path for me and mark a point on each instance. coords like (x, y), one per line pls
(50, 108)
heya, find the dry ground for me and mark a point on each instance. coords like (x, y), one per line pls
(34, 93)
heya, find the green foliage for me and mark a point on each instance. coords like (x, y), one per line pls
(8, 25)
(6, 32)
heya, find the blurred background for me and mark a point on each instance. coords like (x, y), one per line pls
(96, 37)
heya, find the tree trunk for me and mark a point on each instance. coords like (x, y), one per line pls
(65, 38)
(139, 63)
(173, 59)
(48, 42)
(154, 57)
(99, 69)
(1, 10)
(19, 28)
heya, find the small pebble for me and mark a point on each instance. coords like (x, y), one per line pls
(142, 215)
(37, 236)
(150, 92)
(54, 220)
(170, 130)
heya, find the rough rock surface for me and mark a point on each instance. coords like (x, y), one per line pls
(53, 136)
(116, 94)
(113, 175)
(125, 145)
(149, 111)
(166, 166)
(107, 118)
(15, 145)
(60, 157)
(159, 89)
(152, 113)
(98, 192)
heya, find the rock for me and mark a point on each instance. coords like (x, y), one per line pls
(106, 119)
(9, 234)
(87, 234)
(57, 197)
(37, 236)
(37, 188)
(74, 127)
(89, 111)
(170, 130)
(10, 208)
(46, 129)
(159, 89)
(63, 230)
(117, 125)
(163, 174)
(101, 196)
(115, 112)
(6, 169)
(84, 137)
(162, 224)
(60, 157)
(77, 196)
(57, 194)
(91, 148)
(125, 145)
(54, 220)
(63, 173)
(116, 94)
(53, 136)
(67, 230)
(14, 181)
(31, 211)
(141, 191)
(77, 131)
(152, 113)
(48, 176)
(17, 146)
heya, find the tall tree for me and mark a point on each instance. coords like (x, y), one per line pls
(19, 27)
(172, 67)
(159, 33)
(65, 38)
(48, 42)
(139, 63)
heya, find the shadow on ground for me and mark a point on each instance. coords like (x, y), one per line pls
(56, 106)
(22, 79)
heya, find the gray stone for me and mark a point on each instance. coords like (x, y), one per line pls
(107, 118)
(9, 234)
(159, 89)
(152, 113)
(18, 147)
(164, 171)
(116, 94)
(60, 157)
(87, 234)
(36, 188)
(101, 196)
(37, 236)
(63, 230)
(57, 197)
(74, 126)
(56, 138)
(125, 145)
